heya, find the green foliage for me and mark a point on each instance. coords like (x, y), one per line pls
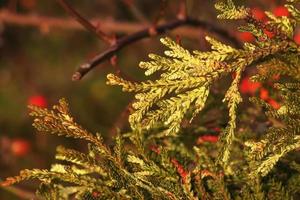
(230, 11)
(173, 168)
(277, 141)
(180, 78)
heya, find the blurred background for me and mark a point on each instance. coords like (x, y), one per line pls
(41, 46)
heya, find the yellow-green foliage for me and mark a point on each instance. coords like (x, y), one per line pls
(186, 78)
(230, 11)
(116, 173)
(277, 141)
(235, 168)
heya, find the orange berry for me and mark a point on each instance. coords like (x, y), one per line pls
(258, 14)
(233, 75)
(264, 94)
(207, 138)
(280, 11)
(37, 100)
(155, 149)
(276, 77)
(180, 169)
(274, 104)
(297, 38)
(96, 194)
(20, 147)
(217, 129)
(248, 86)
(246, 36)
(269, 34)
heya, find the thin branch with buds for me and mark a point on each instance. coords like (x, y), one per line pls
(182, 12)
(116, 44)
(163, 28)
(161, 12)
(52, 23)
(97, 31)
(46, 24)
(137, 13)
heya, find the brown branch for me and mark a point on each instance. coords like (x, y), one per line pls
(38, 21)
(49, 23)
(85, 23)
(182, 11)
(136, 32)
(136, 12)
(161, 12)
(160, 29)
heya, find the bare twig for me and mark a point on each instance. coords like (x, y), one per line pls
(126, 40)
(69, 9)
(136, 32)
(136, 12)
(182, 11)
(53, 23)
(161, 12)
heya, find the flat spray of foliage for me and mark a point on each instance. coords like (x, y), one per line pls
(152, 161)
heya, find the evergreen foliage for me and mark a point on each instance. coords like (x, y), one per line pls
(155, 161)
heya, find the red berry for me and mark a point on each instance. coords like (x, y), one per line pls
(217, 129)
(246, 36)
(258, 14)
(280, 11)
(269, 34)
(206, 173)
(276, 77)
(37, 100)
(180, 169)
(248, 86)
(233, 75)
(96, 194)
(274, 104)
(155, 149)
(264, 94)
(207, 138)
(20, 147)
(297, 38)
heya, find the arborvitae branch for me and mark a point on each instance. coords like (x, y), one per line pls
(172, 167)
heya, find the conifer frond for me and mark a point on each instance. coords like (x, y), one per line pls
(52, 192)
(189, 90)
(177, 168)
(293, 185)
(233, 98)
(293, 10)
(119, 149)
(176, 51)
(80, 159)
(284, 24)
(277, 141)
(228, 10)
(185, 82)
(25, 175)
(58, 121)
(277, 190)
